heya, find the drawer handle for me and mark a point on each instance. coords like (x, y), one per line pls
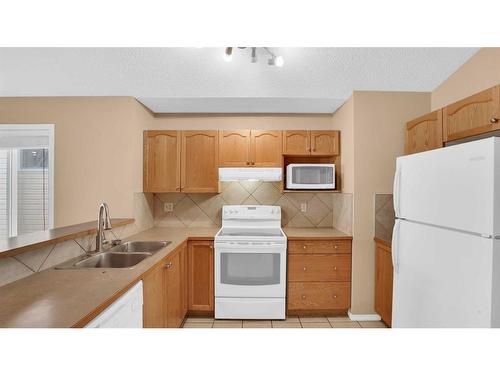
(168, 265)
(493, 120)
(305, 268)
(303, 296)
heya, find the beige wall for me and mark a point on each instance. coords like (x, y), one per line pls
(343, 120)
(377, 138)
(98, 151)
(480, 72)
(240, 121)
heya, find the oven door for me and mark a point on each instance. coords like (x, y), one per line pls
(250, 270)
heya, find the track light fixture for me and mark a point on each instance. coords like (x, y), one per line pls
(273, 60)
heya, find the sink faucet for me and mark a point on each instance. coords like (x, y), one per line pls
(103, 223)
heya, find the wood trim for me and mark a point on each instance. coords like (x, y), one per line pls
(35, 240)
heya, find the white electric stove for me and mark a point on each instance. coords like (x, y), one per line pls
(250, 264)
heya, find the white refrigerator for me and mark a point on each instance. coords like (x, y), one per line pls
(445, 244)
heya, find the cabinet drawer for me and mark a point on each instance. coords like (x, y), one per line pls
(319, 267)
(320, 247)
(319, 295)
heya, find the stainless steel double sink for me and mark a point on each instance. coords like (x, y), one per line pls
(125, 255)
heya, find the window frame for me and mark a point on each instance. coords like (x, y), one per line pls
(13, 165)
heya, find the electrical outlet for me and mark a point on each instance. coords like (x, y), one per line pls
(303, 207)
(168, 207)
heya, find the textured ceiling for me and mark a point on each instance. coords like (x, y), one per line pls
(199, 80)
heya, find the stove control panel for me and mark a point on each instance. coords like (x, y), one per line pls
(251, 212)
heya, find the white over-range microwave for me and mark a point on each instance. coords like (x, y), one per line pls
(310, 176)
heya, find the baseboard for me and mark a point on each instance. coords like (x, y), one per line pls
(363, 317)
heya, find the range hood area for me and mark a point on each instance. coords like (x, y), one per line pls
(250, 174)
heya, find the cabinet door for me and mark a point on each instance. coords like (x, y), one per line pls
(175, 302)
(424, 133)
(201, 276)
(200, 161)
(234, 148)
(383, 282)
(296, 142)
(474, 115)
(162, 160)
(325, 142)
(154, 294)
(265, 148)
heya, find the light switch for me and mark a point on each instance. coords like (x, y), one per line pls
(168, 207)
(303, 207)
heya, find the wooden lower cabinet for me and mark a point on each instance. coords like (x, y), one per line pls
(201, 277)
(319, 276)
(383, 281)
(154, 295)
(165, 292)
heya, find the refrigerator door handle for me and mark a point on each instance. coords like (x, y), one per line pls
(395, 246)
(395, 192)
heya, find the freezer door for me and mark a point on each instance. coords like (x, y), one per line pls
(453, 187)
(442, 278)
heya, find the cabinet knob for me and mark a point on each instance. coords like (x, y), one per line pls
(253, 163)
(178, 188)
(211, 246)
(248, 163)
(335, 268)
(335, 247)
(303, 296)
(493, 120)
(304, 247)
(305, 269)
(334, 296)
(168, 265)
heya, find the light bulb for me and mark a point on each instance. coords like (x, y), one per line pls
(279, 61)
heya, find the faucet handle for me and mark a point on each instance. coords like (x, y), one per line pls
(116, 242)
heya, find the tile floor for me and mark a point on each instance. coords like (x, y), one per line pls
(290, 322)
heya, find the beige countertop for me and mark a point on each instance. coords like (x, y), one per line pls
(310, 233)
(67, 298)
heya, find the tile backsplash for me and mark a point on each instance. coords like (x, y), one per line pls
(384, 216)
(322, 209)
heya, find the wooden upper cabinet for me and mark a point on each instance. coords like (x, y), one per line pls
(325, 142)
(297, 142)
(265, 148)
(200, 157)
(162, 161)
(424, 133)
(311, 142)
(201, 277)
(234, 148)
(477, 114)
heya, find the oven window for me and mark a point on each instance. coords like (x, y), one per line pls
(250, 268)
(312, 175)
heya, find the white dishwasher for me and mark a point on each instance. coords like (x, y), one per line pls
(125, 312)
